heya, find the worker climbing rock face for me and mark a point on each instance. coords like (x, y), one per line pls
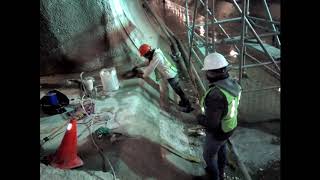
(219, 107)
(156, 61)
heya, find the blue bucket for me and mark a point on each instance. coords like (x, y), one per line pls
(53, 100)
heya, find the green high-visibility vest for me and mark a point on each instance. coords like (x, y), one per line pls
(229, 121)
(168, 63)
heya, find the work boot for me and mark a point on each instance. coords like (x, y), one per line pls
(185, 103)
(185, 106)
(208, 174)
(222, 176)
(188, 109)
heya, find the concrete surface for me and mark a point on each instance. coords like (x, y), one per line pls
(255, 148)
(153, 139)
(48, 172)
(128, 115)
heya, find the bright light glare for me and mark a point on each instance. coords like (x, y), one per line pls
(202, 31)
(69, 126)
(233, 53)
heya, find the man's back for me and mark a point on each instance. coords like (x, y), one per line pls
(166, 69)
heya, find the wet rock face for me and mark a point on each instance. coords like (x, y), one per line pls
(87, 35)
(67, 30)
(78, 36)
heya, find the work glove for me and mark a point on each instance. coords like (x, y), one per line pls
(158, 76)
(134, 69)
(139, 73)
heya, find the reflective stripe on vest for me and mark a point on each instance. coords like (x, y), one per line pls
(168, 63)
(229, 121)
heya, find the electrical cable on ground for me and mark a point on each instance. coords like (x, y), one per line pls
(99, 150)
(53, 134)
(91, 120)
(90, 131)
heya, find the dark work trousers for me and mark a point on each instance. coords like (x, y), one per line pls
(174, 83)
(214, 153)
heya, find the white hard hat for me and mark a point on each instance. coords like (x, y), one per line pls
(214, 61)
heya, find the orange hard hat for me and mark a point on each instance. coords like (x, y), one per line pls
(144, 49)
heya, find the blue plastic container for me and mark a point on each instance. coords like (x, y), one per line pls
(53, 100)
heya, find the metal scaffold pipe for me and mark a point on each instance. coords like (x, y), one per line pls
(207, 29)
(254, 65)
(260, 19)
(268, 68)
(187, 21)
(243, 16)
(214, 20)
(192, 32)
(256, 35)
(213, 27)
(270, 19)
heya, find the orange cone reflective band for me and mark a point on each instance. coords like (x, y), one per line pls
(66, 156)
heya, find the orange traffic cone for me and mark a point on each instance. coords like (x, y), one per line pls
(66, 156)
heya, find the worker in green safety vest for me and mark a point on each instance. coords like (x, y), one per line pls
(219, 107)
(156, 61)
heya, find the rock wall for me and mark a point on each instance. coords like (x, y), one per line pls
(87, 35)
(80, 36)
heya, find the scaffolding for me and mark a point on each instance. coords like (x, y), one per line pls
(248, 44)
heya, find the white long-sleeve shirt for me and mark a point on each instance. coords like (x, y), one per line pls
(160, 62)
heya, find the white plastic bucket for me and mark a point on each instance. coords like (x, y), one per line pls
(109, 79)
(88, 82)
